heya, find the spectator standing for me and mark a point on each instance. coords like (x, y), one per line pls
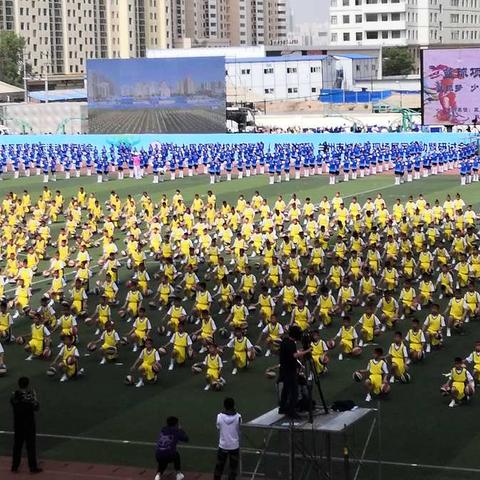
(24, 403)
(137, 171)
(228, 425)
(166, 449)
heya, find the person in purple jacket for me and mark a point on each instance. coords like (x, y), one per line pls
(166, 448)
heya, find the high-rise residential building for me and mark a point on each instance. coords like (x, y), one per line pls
(61, 35)
(223, 23)
(409, 23)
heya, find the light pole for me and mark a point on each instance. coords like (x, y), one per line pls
(45, 65)
(25, 83)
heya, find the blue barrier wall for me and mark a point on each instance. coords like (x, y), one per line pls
(329, 95)
(139, 141)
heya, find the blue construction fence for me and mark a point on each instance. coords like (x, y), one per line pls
(139, 141)
(337, 95)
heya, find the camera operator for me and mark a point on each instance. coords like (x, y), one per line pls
(289, 366)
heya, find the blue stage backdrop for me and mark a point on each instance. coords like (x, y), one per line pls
(143, 95)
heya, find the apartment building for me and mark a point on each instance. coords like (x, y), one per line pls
(222, 23)
(409, 23)
(61, 35)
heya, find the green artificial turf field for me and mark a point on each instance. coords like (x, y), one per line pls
(417, 426)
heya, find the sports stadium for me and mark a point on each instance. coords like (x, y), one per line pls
(146, 275)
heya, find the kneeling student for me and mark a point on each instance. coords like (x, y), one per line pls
(148, 364)
(376, 374)
(67, 359)
(461, 384)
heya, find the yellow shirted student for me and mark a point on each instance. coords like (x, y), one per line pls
(474, 360)
(148, 363)
(6, 321)
(133, 300)
(266, 305)
(288, 294)
(389, 308)
(102, 313)
(241, 350)
(301, 315)
(238, 314)
(348, 337)
(79, 297)
(416, 341)
(141, 329)
(319, 353)
(377, 371)
(274, 274)
(398, 356)
(214, 365)
(181, 346)
(370, 325)
(326, 306)
(39, 338)
(67, 322)
(22, 296)
(433, 326)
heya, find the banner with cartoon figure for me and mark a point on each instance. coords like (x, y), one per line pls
(451, 86)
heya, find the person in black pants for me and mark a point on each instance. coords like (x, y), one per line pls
(228, 426)
(166, 449)
(288, 374)
(24, 403)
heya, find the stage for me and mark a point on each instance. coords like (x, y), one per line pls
(302, 450)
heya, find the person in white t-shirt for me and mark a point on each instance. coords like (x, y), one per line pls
(228, 426)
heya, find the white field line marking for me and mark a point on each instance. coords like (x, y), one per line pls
(246, 450)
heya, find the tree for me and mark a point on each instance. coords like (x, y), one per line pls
(11, 58)
(397, 61)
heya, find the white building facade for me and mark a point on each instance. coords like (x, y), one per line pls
(290, 77)
(409, 23)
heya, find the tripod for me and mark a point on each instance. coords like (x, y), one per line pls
(312, 377)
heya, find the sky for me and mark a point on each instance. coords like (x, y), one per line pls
(170, 70)
(309, 10)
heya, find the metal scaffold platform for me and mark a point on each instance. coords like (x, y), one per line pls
(277, 448)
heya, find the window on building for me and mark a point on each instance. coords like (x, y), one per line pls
(358, 19)
(384, 34)
(245, 71)
(372, 35)
(359, 36)
(314, 89)
(358, 2)
(292, 90)
(291, 69)
(346, 19)
(333, 20)
(395, 33)
(268, 70)
(315, 69)
(333, 3)
(346, 37)
(384, 17)
(454, 18)
(371, 17)
(268, 91)
(395, 17)
(334, 37)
